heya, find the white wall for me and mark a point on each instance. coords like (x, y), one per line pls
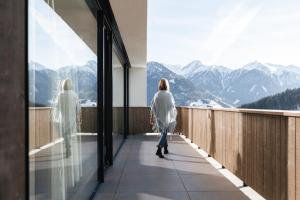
(137, 87)
(118, 87)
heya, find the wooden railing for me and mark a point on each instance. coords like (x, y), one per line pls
(42, 128)
(139, 120)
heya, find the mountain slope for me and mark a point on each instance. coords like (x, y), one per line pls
(183, 90)
(253, 81)
(45, 82)
(287, 100)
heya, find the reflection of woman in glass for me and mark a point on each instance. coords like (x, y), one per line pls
(67, 116)
(69, 109)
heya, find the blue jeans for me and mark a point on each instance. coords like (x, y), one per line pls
(163, 139)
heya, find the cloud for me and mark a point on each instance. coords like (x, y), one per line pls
(228, 30)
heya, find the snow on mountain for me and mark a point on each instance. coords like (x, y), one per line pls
(193, 67)
(206, 103)
(272, 68)
(268, 69)
(235, 87)
(183, 90)
(35, 66)
(174, 68)
(44, 82)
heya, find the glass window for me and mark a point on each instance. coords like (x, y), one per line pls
(118, 102)
(63, 96)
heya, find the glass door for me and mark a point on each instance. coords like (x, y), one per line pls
(63, 99)
(118, 127)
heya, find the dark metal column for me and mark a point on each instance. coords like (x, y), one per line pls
(100, 60)
(108, 96)
(126, 102)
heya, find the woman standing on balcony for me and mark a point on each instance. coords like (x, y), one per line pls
(163, 114)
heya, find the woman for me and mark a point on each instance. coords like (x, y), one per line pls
(68, 108)
(163, 115)
(66, 172)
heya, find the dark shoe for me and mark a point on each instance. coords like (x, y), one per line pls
(166, 149)
(158, 153)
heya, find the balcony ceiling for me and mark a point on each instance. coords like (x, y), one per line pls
(131, 17)
(79, 17)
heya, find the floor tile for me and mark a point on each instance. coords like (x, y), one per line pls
(195, 168)
(141, 183)
(150, 167)
(104, 196)
(217, 196)
(207, 183)
(152, 196)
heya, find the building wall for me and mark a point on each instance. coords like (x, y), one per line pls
(12, 94)
(137, 87)
(118, 87)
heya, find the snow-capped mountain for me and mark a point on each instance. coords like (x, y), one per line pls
(249, 83)
(45, 82)
(183, 90)
(174, 68)
(193, 67)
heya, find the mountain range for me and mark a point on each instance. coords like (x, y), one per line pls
(195, 84)
(233, 87)
(44, 83)
(184, 91)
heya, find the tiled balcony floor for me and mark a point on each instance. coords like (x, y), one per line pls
(184, 174)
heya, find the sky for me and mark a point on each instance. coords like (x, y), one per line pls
(231, 33)
(52, 42)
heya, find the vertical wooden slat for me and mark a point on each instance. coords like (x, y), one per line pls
(245, 149)
(203, 129)
(260, 154)
(297, 154)
(236, 142)
(277, 187)
(191, 131)
(283, 158)
(212, 134)
(218, 136)
(273, 156)
(249, 150)
(226, 126)
(291, 158)
(253, 150)
(208, 132)
(32, 129)
(268, 157)
(240, 157)
(194, 125)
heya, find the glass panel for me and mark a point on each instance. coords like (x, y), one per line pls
(118, 102)
(62, 92)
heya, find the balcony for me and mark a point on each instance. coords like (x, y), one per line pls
(260, 147)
